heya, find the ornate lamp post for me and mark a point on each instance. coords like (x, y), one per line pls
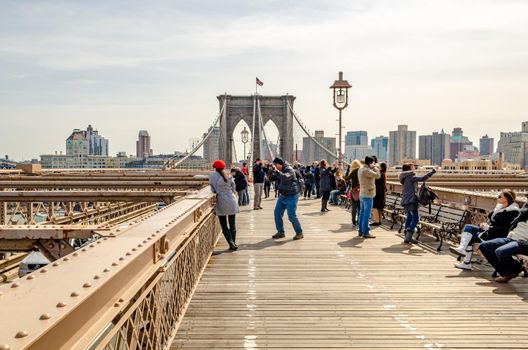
(244, 135)
(340, 89)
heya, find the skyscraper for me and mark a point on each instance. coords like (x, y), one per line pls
(210, 146)
(434, 147)
(356, 138)
(459, 143)
(402, 145)
(514, 146)
(311, 151)
(143, 149)
(98, 145)
(86, 142)
(486, 145)
(380, 147)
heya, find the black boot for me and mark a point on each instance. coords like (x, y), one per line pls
(408, 237)
(229, 239)
(233, 237)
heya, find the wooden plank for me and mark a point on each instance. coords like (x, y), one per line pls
(334, 290)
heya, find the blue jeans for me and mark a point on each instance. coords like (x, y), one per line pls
(365, 208)
(412, 217)
(475, 231)
(334, 194)
(499, 252)
(288, 204)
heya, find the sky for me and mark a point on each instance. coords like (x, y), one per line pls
(158, 65)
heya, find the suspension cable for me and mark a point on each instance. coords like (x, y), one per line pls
(171, 163)
(313, 138)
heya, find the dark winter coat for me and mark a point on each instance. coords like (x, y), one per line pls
(325, 180)
(288, 184)
(352, 177)
(379, 200)
(410, 187)
(309, 178)
(500, 221)
(258, 173)
(240, 181)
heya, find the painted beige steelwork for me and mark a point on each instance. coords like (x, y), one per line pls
(90, 196)
(128, 291)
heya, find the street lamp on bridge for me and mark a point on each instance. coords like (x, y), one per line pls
(244, 135)
(340, 88)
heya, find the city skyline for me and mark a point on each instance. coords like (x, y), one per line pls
(125, 67)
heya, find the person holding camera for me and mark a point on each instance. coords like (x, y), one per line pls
(289, 188)
(367, 176)
(410, 200)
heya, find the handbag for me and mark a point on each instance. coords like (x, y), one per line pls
(354, 193)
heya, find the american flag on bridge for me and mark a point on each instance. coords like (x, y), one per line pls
(259, 83)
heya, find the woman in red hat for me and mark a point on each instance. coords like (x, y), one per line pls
(226, 203)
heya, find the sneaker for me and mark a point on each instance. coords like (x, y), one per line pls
(463, 266)
(278, 235)
(368, 235)
(505, 278)
(458, 250)
(298, 236)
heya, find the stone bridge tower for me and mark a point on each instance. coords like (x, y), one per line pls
(274, 108)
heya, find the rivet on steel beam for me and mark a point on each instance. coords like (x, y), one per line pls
(153, 235)
(5, 347)
(104, 239)
(144, 241)
(128, 254)
(157, 231)
(21, 334)
(118, 230)
(149, 238)
(121, 258)
(66, 259)
(55, 264)
(61, 304)
(83, 250)
(114, 264)
(30, 277)
(140, 245)
(106, 270)
(15, 285)
(74, 294)
(76, 254)
(134, 249)
(92, 245)
(44, 270)
(87, 285)
(96, 277)
(45, 316)
(117, 305)
(112, 234)
(121, 300)
(99, 242)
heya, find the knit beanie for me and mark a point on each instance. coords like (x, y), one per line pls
(278, 161)
(369, 160)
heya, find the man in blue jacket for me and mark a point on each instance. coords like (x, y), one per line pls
(288, 197)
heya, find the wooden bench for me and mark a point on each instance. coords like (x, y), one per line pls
(392, 208)
(446, 223)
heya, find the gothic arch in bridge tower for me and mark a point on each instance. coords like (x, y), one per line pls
(274, 108)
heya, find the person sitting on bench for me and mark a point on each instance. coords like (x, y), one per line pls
(498, 225)
(500, 251)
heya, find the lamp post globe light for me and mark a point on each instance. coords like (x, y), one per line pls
(244, 135)
(340, 90)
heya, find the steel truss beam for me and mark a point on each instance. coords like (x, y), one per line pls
(129, 291)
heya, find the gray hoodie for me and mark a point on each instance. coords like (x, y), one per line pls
(410, 186)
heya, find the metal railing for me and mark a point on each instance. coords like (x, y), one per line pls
(127, 290)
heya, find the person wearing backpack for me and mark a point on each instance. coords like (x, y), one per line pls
(289, 187)
(410, 200)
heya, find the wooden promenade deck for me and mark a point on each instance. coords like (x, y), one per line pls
(335, 290)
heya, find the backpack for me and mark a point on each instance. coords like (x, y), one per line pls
(300, 180)
(426, 196)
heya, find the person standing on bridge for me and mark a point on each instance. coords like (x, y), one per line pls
(410, 200)
(258, 183)
(226, 203)
(289, 188)
(367, 176)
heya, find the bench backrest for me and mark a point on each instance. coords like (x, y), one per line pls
(435, 209)
(452, 215)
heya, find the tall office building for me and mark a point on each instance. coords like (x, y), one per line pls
(434, 147)
(402, 145)
(311, 151)
(356, 138)
(486, 145)
(514, 146)
(210, 146)
(380, 148)
(143, 149)
(86, 142)
(459, 143)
